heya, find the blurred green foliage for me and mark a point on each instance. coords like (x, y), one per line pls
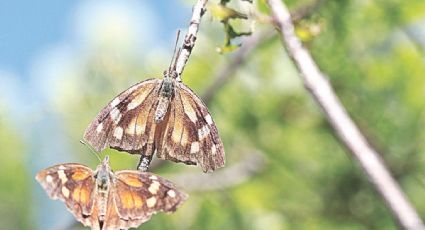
(376, 67)
(15, 180)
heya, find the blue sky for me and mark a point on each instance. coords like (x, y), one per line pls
(30, 27)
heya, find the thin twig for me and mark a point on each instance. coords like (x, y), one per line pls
(321, 90)
(190, 37)
(231, 176)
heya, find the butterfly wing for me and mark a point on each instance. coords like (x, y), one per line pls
(187, 133)
(191, 135)
(127, 123)
(72, 184)
(139, 195)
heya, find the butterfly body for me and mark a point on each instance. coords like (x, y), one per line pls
(166, 93)
(161, 116)
(105, 200)
(103, 178)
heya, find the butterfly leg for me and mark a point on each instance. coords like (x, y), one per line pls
(144, 163)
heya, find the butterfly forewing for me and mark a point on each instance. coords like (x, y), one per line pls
(73, 184)
(122, 124)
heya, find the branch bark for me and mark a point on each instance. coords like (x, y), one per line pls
(190, 37)
(321, 90)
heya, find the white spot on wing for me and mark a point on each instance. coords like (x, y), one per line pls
(153, 177)
(115, 115)
(118, 133)
(65, 192)
(171, 193)
(115, 102)
(194, 147)
(151, 202)
(209, 119)
(62, 175)
(154, 187)
(49, 179)
(203, 132)
(99, 128)
(213, 150)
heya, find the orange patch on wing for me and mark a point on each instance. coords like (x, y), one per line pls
(177, 130)
(141, 95)
(138, 201)
(81, 195)
(76, 194)
(135, 128)
(133, 181)
(127, 199)
(84, 196)
(80, 175)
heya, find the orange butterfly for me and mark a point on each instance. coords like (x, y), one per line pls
(104, 200)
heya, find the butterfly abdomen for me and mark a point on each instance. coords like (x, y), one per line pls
(166, 93)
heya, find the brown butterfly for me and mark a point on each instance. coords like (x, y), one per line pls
(161, 116)
(104, 200)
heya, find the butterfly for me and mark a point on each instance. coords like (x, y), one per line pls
(104, 200)
(161, 116)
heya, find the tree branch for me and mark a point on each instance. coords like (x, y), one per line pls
(190, 38)
(321, 90)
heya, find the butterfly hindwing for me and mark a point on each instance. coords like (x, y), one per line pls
(73, 184)
(114, 221)
(138, 195)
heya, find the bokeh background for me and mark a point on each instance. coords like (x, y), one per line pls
(62, 61)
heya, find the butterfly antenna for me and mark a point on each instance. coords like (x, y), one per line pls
(174, 59)
(91, 150)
